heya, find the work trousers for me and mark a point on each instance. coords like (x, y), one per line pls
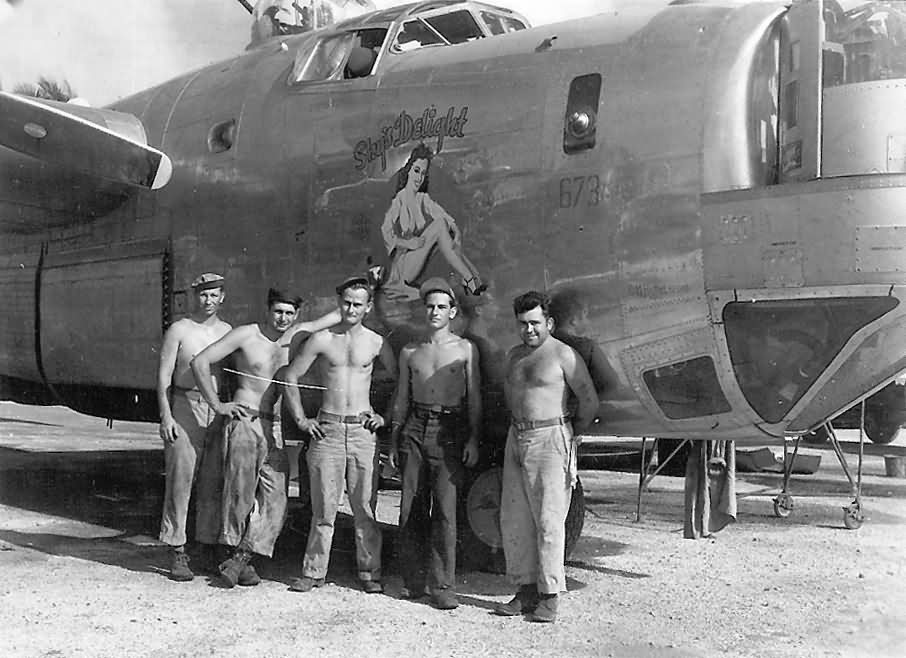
(431, 465)
(256, 477)
(194, 457)
(347, 454)
(538, 476)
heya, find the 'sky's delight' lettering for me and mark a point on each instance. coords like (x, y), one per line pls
(407, 128)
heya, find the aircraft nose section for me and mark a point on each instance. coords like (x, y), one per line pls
(810, 358)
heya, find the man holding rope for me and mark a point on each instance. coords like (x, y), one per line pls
(255, 463)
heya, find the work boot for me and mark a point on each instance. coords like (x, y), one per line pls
(413, 592)
(523, 603)
(305, 584)
(248, 577)
(179, 566)
(444, 599)
(546, 610)
(230, 569)
(372, 586)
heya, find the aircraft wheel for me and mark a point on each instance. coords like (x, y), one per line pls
(880, 430)
(783, 505)
(480, 541)
(853, 516)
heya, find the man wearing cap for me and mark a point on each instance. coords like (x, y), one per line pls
(255, 462)
(190, 436)
(343, 449)
(539, 467)
(437, 412)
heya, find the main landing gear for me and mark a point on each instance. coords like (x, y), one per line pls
(853, 514)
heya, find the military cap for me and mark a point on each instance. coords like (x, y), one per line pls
(207, 281)
(356, 280)
(436, 284)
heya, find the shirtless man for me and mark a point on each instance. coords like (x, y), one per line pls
(438, 376)
(191, 438)
(539, 467)
(255, 462)
(343, 447)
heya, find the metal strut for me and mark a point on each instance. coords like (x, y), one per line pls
(644, 467)
(853, 515)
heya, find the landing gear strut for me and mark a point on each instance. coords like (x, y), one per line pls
(853, 514)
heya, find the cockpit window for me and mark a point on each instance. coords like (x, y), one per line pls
(323, 61)
(864, 41)
(498, 24)
(449, 28)
(338, 56)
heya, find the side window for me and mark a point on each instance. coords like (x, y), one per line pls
(443, 29)
(324, 60)
(513, 25)
(457, 26)
(688, 389)
(416, 34)
(580, 121)
(495, 25)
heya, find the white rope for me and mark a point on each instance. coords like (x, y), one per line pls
(313, 387)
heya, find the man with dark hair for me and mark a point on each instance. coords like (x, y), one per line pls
(255, 462)
(438, 376)
(187, 427)
(343, 448)
(539, 468)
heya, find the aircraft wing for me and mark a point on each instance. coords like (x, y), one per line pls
(103, 144)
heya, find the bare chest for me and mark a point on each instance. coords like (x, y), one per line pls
(344, 352)
(535, 371)
(443, 362)
(264, 357)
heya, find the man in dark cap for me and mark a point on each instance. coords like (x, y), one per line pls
(435, 424)
(255, 462)
(190, 436)
(343, 448)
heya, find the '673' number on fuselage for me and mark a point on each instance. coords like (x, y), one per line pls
(580, 190)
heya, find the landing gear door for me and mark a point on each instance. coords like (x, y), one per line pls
(800, 92)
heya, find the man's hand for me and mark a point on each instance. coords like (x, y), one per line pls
(373, 422)
(311, 426)
(231, 409)
(394, 457)
(168, 429)
(470, 453)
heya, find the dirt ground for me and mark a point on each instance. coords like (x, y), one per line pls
(82, 575)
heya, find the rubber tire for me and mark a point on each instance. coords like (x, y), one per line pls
(880, 431)
(474, 554)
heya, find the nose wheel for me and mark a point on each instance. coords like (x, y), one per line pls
(783, 505)
(853, 516)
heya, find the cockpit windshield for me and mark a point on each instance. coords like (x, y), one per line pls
(442, 29)
(864, 41)
(338, 56)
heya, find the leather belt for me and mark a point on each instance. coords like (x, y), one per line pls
(523, 425)
(436, 409)
(360, 417)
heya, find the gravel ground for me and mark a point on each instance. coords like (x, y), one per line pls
(83, 578)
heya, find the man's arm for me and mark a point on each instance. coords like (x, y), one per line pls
(311, 326)
(400, 406)
(388, 360)
(579, 381)
(168, 353)
(214, 353)
(296, 370)
(473, 399)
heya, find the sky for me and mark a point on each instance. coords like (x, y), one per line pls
(107, 49)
